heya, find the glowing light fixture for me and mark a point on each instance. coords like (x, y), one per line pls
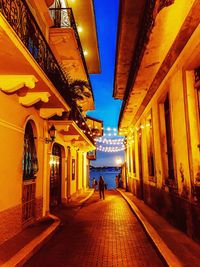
(85, 52)
(79, 29)
(52, 134)
(118, 161)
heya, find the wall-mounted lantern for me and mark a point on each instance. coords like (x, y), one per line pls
(52, 134)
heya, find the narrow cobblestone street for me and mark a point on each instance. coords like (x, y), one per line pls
(98, 233)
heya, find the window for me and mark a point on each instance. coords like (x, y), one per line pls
(166, 140)
(133, 154)
(73, 169)
(55, 176)
(150, 149)
(30, 162)
(169, 138)
(129, 157)
(55, 161)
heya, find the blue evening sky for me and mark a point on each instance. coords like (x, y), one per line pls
(107, 108)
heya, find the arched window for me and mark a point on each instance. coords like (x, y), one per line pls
(30, 162)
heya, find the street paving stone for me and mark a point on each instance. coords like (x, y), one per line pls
(98, 233)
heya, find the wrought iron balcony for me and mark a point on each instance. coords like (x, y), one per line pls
(20, 18)
(64, 18)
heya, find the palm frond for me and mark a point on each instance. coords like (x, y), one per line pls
(78, 89)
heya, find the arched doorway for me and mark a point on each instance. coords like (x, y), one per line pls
(30, 168)
(55, 176)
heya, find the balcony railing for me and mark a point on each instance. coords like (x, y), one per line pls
(64, 18)
(20, 18)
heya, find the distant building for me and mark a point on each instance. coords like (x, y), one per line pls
(157, 75)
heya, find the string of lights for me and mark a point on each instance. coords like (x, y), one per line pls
(137, 128)
(109, 129)
(114, 142)
(110, 134)
(110, 149)
(113, 145)
(110, 141)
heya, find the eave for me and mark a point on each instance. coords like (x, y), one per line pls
(129, 24)
(157, 56)
(84, 14)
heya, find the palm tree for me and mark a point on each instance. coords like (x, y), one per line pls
(79, 90)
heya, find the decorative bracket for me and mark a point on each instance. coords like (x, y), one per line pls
(62, 128)
(47, 113)
(79, 143)
(70, 138)
(12, 83)
(32, 98)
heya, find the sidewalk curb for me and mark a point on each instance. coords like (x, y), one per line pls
(27, 252)
(87, 197)
(167, 255)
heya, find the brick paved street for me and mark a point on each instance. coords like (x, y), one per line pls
(99, 233)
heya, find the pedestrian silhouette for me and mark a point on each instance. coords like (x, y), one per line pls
(117, 181)
(101, 187)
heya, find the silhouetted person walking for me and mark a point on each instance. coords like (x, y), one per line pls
(117, 181)
(101, 187)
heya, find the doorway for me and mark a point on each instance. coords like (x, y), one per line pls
(30, 168)
(141, 189)
(55, 176)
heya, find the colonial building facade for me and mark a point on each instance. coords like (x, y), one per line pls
(157, 75)
(45, 92)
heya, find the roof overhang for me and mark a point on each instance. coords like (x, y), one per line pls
(151, 61)
(84, 14)
(129, 24)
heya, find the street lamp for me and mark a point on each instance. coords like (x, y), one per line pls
(52, 134)
(119, 161)
(119, 164)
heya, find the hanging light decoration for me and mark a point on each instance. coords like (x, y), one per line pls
(110, 141)
(110, 149)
